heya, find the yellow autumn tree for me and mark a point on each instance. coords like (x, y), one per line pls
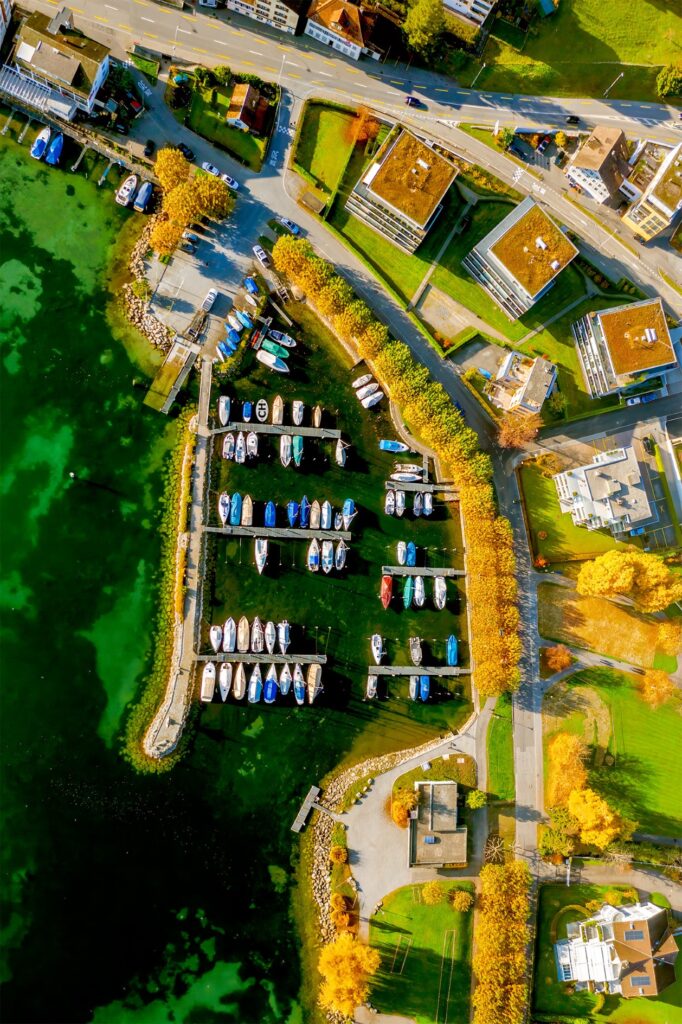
(670, 638)
(500, 943)
(642, 576)
(171, 168)
(182, 204)
(404, 801)
(599, 825)
(433, 893)
(656, 687)
(516, 430)
(462, 900)
(165, 236)
(213, 196)
(346, 966)
(566, 768)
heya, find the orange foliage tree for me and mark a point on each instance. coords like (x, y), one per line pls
(346, 966)
(501, 938)
(516, 430)
(644, 577)
(656, 687)
(566, 768)
(558, 657)
(404, 801)
(670, 638)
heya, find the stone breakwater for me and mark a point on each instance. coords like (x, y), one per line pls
(135, 307)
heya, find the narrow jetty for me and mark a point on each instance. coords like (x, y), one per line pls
(265, 659)
(418, 570)
(415, 485)
(277, 429)
(305, 809)
(279, 533)
(417, 670)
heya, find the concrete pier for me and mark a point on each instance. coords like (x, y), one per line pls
(417, 670)
(279, 533)
(276, 430)
(415, 485)
(418, 570)
(306, 807)
(265, 659)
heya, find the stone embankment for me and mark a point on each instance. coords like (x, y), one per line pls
(135, 307)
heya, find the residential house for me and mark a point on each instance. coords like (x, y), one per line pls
(629, 951)
(246, 108)
(522, 384)
(284, 15)
(5, 18)
(518, 261)
(608, 492)
(473, 11)
(337, 23)
(434, 838)
(601, 164)
(401, 194)
(623, 346)
(661, 200)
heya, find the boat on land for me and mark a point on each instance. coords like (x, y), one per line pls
(315, 515)
(143, 197)
(314, 682)
(401, 552)
(285, 449)
(292, 513)
(243, 633)
(372, 400)
(317, 416)
(416, 650)
(340, 556)
(236, 510)
(305, 511)
(326, 516)
(349, 513)
(124, 196)
(366, 391)
(252, 301)
(285, 679)
(428, 503)
(377, 645)
(208, 682)
(225, 679)
(283, 635)
(411, 554)
(223, 410)
(257, 638)
(297, 410)
(271, 688)
(408, 467)
(386, 590)
(278, 411)
(232, 340)
(252, 444)
(251, 286)
(314, 555)
(283, 339)
(228, 446)
(399, 503)
(261, 410)
(270, 636)
(360, 382)
(239, 688)
(424, 687)
(40, 144)
(327, 556)
(414, 687)
(261, 553)
(393, 446)
(419, 591)
(371, 690)
(54, 152)
(298, 449)
(255, 685)
(299, 684)
(406, 478)
(408, 591)
(417, 503)
(247, 511)
(270, 514)
(439, 592)
(389, 503)
(240, 449)
(338, 520)
(244, 318)
(340, 452)
(215, 635)
(247, 411)
(268, 345)
(451, 650)
(235, 324)
(224, 507)
(229, 635)
(272, 362)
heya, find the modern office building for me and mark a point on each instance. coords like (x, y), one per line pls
(601, 164)
(608, 492)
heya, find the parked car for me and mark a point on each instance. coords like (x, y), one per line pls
(190, 237)
(649, 445)
(560, 158)
(544, 143)
(188, 247)
(651, 396)
(186, 151)
(230, 182)
(133, 102)
(261, 255)
(210, 168)
(633, 401)
(121, 127)
(517, 151)
(149, 147)
(289, 225)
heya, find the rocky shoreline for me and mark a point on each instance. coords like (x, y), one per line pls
(136, 308)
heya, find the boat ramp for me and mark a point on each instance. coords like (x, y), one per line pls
(280, 533)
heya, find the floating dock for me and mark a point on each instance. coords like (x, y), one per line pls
(306, 807)
(417, 670)
(418, 570)
(264, 658)
(276, 430)
(279, 533)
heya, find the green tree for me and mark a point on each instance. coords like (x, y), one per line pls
(222, 74)
(424, 25)
(669, 80)
(505, 137)
(476, 798)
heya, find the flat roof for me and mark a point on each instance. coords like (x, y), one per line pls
(624, 331)
(668, 188)
(533, 249)
(437, 821)
(412, 178)
(595, 150)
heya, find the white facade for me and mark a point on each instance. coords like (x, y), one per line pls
(333, 39)
(268, 12)
(607, 493)
(472, 10)
(523, 384)
(590, 181)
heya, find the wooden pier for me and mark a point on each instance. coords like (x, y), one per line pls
(417, 670)
(264, 658)
(418, 570)
(279, 533)
(306, 807)
(276, 430)
(415, 485)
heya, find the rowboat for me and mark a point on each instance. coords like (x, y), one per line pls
(292, 513)
(270, 636)
(315, 515)
(377, 645)
(247, 511)
(419, 592)
(428, 503)
(251, 300)
(257, 638)
(424, 687)
(416, 650)
(272, 362)
(247, 411)
(271, 688)
(314, 555)
(252, 444)
(366, 391)
(298, 449)
(327, 556)
(361, 381)
(299, 684)
(340, 557)
(285, 679)
(224, 507)
(340, 453)
(261, 553)
(451, 650)
(439, 592)
(314, 682)
(371, 691)
(386, 590)
(223, 410)
(305, 511)
(268, 345)
(270, 514)
(283, 638)
(208, 682)
(417, 503)
(243, 635)
(240, 448)
(285, 449)
(235, 324)
(389, 503)
(393, 446)
(326, 516)
(349, 513)
(228, 446)
(278, 411)
(225, 679)
(215, 635)
(283, 339)
(411, 554)
(408, 591)
(401, 552)
(407, 478)
(409, 467)
(372, 400)
(297, 412)
(255, 685)
(236, 510)
(229, 635)
(239, 687)
(338, 520)
(399, 503)
(414, 687)
(317, 416)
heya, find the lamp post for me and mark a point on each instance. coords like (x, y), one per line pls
(617, 79)
(480, 70)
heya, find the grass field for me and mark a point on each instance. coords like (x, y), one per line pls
(324, 143)
(209, 121)
(551, 996)
(458, 768)
(501, 752)
(425, 971)
(604, 707)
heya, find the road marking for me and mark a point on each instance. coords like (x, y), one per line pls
(147, 34)
(353, 71)
(269, 69)
(442, 90)
(109, 7)
(292, 74)
(256, 53)
(325, 61)
(150, 20)
(78, 10)
(98, 17)
(248, 64)
(396, 81)
(293, 63)
(140, 2)
(185, 31)
(326, 74)
(361, 85)
(197, 50)
(234, 32)
(128, 27)
(187, 17)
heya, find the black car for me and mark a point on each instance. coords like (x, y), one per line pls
(649, 445)
(572, 119)
(518, 152)
(412, 101)
(186, 152)
(560, 158)
(149, 147)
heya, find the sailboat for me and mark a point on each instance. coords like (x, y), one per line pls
(401, 552)
(285, 449)
(389, 503)
(314, 555)
(451, 650)
(305, 511)
(283, 638)
(416, 650)
(225, 679)
(299, 684)
(386, 590)
(255, 685)
(229, 635)
(327, 556)
(285, 679)
(247, 511)
(252, 444)
(424, 687)
(292, 512)
(419, 592)
(371, 690)
(315, 515)
(417, 503)
(298, 449)
(224, 507)
(257, 638)
(297, 410)
(366, 390)
(278, 411)
(414, 687)
(314, 681)
(349, 513)
(240, 448)
(439, 592)
(326, 516)
(377, 645)
(243, 635)
(223, 410)
(371, 400)
(340, 453)
(208, 682)
(271, 687)
(340, 556)
(270, 514)
(215, 635)
(411, 554)
(270, 636)
(399, 503)
(40, 144)
(236, 510)
(261, 410)
(408, 590)
(261, 553)
(428, 503)
(361, 381)
(239, 688)
(317, 416)
(406, 477)
(228, 446)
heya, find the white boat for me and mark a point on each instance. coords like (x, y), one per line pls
(317, 416)
(247, 511)
(338, 520)
(278, 411)
(419, 592)
(240, 448)
(285, 449)
(283, 637)
(228, 446)
(372, 400)
(215, 635)
(261, 554)
(414, 687)
(235, 324)
(416, 650)
(297, 410)
(229, 635)
(125, 194)
(223, 410)
(402, 552)
(314, 555)
(361, 381)
(439, 592)
(327, 556)
(389, 503)
(285, 679)
(417, 503)
(255, 685)
(368, 390)
(257, 638)
(371, 687)
(428, 503)
(270, 636)
(239, 688)
(261, 410)
(313, 682)
(243, 635)
(224, 507)
(377, 645)
(225, 679)
(408, 467)
(299, 684)
(340, 556)
(399, 503)
(272, 362)
(208, 682)
(406, 478)
(315, 515)
(326, 516)
(340, 453)
(252, 444)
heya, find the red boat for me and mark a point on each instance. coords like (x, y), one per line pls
(386, 590)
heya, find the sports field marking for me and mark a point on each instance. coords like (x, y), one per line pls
(448, 953)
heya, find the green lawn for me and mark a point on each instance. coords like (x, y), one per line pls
(643, 783)
(501, 751)
(551, 996)
(324, 143)
(425, 969)
(458, 768)
(149, 67)
(209, 121)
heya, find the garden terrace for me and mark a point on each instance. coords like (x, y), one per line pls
(411, 178)
(624, 331)
(534, 250)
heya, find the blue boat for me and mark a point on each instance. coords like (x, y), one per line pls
(236, 510)
(40, 144)
(393, 446)
(251, 286)
(348, 512)
(451, 650)
(225, 350)
(233, 337)
(292, 512)
(411, 554)
(247, 412)
(271, 688)
(54, 152)
(270, 514)
(424, 686)
(243, 318)
(305, 511)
